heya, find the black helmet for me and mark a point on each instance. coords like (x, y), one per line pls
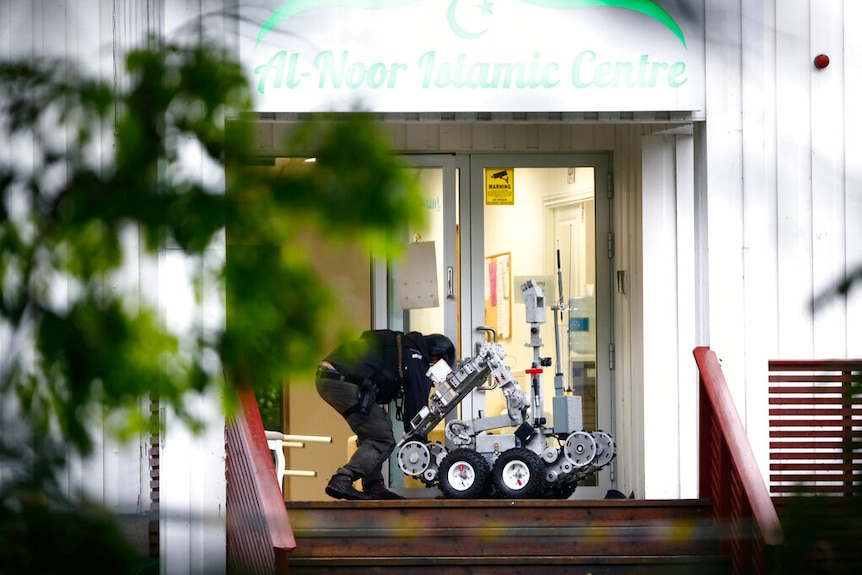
(441, 347)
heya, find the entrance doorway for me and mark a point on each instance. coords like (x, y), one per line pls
(551, 230)
(545, 228)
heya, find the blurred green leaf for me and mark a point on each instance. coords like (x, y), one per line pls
(68, 218)
(82, 212)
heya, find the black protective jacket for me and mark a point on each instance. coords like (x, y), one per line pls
(394, 362)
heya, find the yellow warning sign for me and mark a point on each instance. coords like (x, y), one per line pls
(500, 186)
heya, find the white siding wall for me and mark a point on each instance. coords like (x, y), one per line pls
(97, 34)
(779, 189)
(116, 475)
(781, 202)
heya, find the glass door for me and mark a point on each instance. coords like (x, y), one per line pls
(438, 178)
(424, 287)
(543, 218)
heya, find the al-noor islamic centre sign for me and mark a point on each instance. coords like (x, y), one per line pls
(474, 55)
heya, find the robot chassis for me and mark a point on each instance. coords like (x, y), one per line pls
(533, 462)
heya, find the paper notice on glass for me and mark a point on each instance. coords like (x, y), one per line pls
(417, 277)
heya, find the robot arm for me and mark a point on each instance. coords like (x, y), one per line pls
(454, 386)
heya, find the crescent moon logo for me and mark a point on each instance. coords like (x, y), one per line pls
(456, 27)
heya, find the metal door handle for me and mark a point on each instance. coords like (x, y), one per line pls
(450, 287)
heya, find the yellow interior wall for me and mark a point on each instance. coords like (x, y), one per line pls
(346, 269)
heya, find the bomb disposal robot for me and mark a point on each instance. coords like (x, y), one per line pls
(533, 461)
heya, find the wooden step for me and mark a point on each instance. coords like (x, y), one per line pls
(504, 536)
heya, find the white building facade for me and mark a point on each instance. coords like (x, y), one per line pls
(724, 194)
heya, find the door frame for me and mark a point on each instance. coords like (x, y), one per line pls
(473, 232)
(463, 191)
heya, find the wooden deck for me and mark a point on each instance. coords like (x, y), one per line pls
(505, 537)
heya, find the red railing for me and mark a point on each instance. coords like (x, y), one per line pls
(259, 536)
(729, 475)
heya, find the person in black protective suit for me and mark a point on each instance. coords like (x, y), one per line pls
(357, 379)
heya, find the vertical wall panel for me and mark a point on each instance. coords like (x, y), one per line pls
(192, 526)
(10, 17)
(725, 196)
(192, 489)
(661, 429)
(88, 473)
(150, 19)
(484, 136)
(793, 168)
(759, 225)
(179, 505)
(669, 395)
(422, 136)
(548, 137)
(454, 136)
(516, 137)
(604, 137)
(181, 18)
(850, 62)
(122, 474)
(686, 399)
(827, 176)
(629, 327)
(102, 473)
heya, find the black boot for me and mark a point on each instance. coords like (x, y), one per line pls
(341, 487)
(378, 490)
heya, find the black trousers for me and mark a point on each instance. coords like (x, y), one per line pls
(373, 430)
